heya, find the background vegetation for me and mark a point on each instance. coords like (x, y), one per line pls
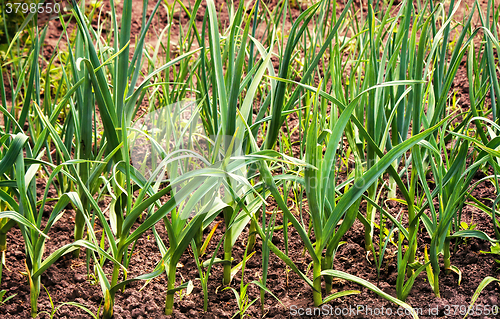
(341, 108)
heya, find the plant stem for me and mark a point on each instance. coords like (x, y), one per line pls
(370, 217)
(34, 291)
(198, 239)
(436, 283)
(253, 230)
(383, 218)
(446, 258)
(328, 262)
(317, 282)
(262, 299)
(411, 217)
(108, 305)
(79, 228)
(204, 286)
(3, 242)
(226, 280)
(34, 299)
(169, 303)
(227, 259)
(116, 273)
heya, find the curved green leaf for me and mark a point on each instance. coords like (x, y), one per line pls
(372, 287)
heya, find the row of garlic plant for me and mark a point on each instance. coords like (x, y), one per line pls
(407, 83)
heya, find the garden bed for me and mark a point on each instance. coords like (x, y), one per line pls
(71, 290)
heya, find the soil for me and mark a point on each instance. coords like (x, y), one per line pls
(67, 280)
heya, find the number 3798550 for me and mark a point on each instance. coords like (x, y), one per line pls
(17, 7)
(477, 310)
